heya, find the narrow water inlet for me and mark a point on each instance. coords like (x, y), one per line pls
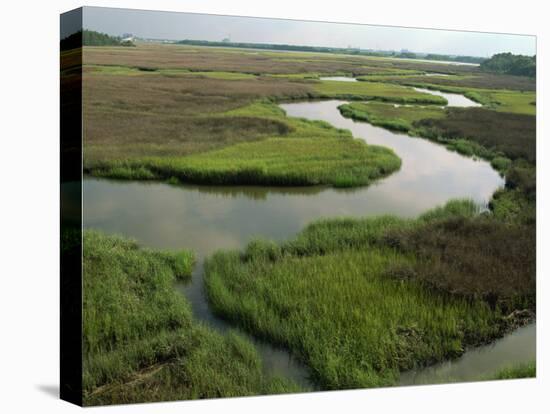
(338, 78)
(453, 99)
(479, 363)
(276, 361)
(435, 74)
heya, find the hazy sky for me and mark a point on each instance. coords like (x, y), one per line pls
(178, 26)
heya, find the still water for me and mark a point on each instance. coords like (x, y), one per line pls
(453, 99)
(207, 218)
(484, 361)
(338, 78)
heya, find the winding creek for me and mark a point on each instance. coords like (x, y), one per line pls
(453, 99)
(207, 218)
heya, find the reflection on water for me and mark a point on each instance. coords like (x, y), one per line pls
(207, 218)
(453, 99)
(482, 362)
(338, 78)
(255, 192)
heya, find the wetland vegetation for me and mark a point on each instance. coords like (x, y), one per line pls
(140, 340)
(304, 153)
(359, 300)
(198, 135)
(492, 135)
(528, 370)
(362, 299)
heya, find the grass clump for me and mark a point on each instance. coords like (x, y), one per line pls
(499, 137)
(511, 94)
(310, 153)
(223, 75)
(370, 71)
(501, 163)
(516, 203)
(276, 161)
(169, 72)
(510, 134)
(527, 370)
(397, 118)
(522, 102)
(478, 258)
(376, 91)
(300, 76)
(351, 297)
(475, 132)
(500, 100)
(140, 340)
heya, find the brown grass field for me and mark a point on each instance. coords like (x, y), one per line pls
(250, 61)
(146, 101)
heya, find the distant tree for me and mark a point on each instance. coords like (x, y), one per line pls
(92, 38)
(510, 64)
(321, 49)
(407, 55)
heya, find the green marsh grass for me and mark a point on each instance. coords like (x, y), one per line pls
(501, 138)
(386, 71)
(359, 300)
(400, 118)
(376, 91)
(309, 153)
(346, 298)
(527, 370)
(500, 100)
(140, 340)
(183, 123)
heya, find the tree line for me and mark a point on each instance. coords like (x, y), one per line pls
(92, 38)
(323, 49)
(510, 64)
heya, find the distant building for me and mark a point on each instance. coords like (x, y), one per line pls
(127, 37)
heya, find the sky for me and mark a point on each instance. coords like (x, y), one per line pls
(179, 26)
